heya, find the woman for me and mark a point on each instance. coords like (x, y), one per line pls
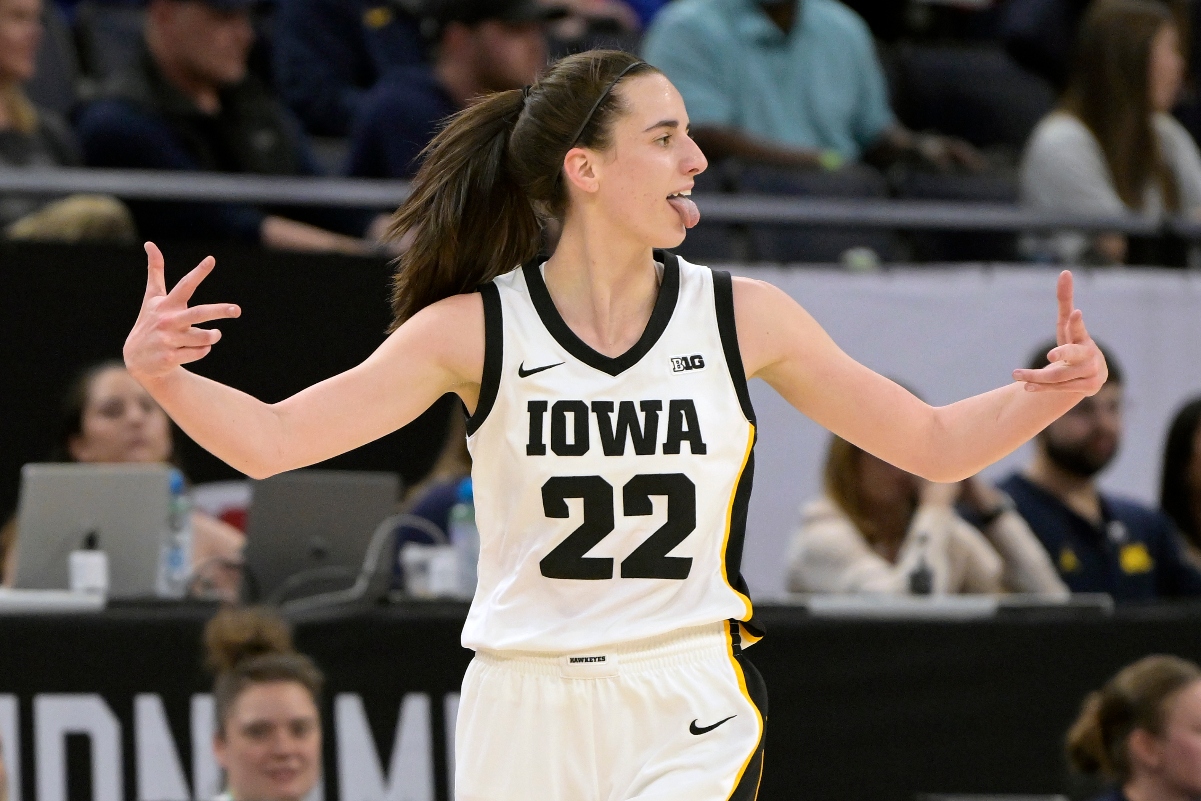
(610, 547)
(35, 137)
(1112, 147)
(1180, 485)
(107, 418)
(881, 530)
(1142, 731)
(268, 739)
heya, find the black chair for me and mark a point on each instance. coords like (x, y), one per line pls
(55, 83)
(820, 244)
(977, 93)
(988, 187)
(110, 36)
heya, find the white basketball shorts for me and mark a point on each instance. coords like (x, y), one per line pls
(673, 718)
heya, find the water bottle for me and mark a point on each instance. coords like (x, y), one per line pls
(465, 538)
(175, 553)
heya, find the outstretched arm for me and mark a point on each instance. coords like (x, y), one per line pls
(782, 344)
(439, 350)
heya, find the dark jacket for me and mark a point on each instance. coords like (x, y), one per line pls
(143, 122)
(329, 53)
(399, 119)
(1134, 555)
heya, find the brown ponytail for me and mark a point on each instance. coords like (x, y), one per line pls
(1136, 698)
(493, 175)
(253, 646)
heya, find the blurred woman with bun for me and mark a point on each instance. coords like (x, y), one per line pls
(268, 739)
(1142, 731)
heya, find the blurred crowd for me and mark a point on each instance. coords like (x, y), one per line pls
(1063, 105)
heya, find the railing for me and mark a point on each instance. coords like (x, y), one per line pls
(715, 208)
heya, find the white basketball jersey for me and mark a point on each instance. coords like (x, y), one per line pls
(610, 493)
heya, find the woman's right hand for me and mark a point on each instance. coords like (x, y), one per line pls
(165, 335)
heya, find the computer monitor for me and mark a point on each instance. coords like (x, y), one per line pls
(124, 505)
(307, 531)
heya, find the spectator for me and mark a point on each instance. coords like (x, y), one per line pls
(188, 103)
(1180, 487)
(1142, 731)
(881, 530)
(329, 53)
(483, 46)
(1100, 543)
(108, 418)
(36, 137)
(787, 83)
(1112, 147)
(268, 740)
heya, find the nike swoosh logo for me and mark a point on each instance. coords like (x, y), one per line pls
(524, 373)
(692, 727)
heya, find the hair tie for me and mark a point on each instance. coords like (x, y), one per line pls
(580, 131)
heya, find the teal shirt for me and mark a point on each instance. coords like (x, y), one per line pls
(819, 86)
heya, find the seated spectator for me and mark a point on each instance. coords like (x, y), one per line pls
(328, 53)
(787, 82)
(267, 697)
(879, 529)
(1180, 484)
(1142, 732)
(36, 137)
(482, 46)
(1099, 542)
(1112, 147)
(108, 418)
(188, 103)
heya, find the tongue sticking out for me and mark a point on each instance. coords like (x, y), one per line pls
(690, 215)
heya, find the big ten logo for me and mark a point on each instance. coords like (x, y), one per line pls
(681, 363)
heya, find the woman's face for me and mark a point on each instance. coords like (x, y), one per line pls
(121, 423)
(651, 157)
(271, 750)
(881, 485)
(1174, 758)
(1166, 69)
(20, 35)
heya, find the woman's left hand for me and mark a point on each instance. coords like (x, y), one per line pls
(1077, 364)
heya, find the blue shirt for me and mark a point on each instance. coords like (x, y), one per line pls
(1134, 554)
(819, 86)
(329, 53)
(399, 119)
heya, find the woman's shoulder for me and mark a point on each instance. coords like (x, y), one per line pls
(1060, 129)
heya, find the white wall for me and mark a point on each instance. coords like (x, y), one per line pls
(950, 333)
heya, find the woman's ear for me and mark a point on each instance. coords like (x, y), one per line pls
(1144, 749)
(579, 170)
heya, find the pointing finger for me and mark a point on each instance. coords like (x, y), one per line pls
(1063, 293)
(187, 285)
(156, 285)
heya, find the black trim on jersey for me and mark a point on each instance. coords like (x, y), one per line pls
(494, 344)
(723, 300)
(665, 305)
(747, 788)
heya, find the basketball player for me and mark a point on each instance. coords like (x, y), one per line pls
(610, 429)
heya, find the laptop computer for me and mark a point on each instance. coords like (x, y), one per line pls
(124, 505)
(307, 531)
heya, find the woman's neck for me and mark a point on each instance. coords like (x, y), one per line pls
(604, 285)
(1153, 788)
